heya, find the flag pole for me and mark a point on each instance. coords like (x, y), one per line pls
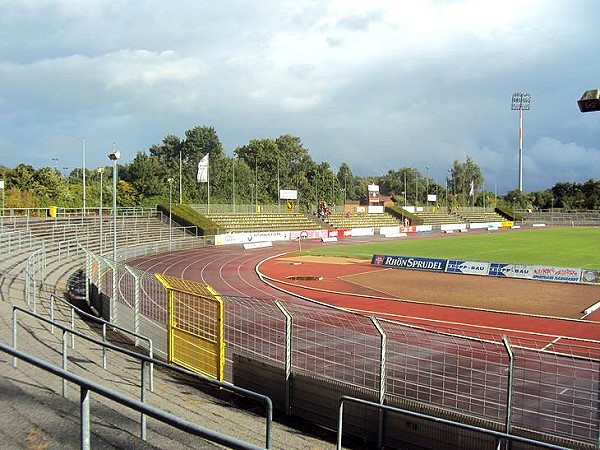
(208, 187)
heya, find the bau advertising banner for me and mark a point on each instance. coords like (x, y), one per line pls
(468, 267)
(510, 270)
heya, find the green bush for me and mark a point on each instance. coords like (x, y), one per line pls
(189, 217)
(400, 214)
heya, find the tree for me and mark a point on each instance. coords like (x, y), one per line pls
(591, 192)
(149, 176)
(21, 177)
(465, 175)
(198, 142)
(168, 150)
(346, 181)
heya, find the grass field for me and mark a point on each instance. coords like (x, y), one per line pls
(560, 247)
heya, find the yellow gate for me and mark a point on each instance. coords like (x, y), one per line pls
(194, 326)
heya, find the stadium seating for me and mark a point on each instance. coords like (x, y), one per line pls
(263, 222)
(361, 220)
(480, 216)
(438, 218)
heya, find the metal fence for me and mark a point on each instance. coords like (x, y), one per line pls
(520, 386)
(537, 391)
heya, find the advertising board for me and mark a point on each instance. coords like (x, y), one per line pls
(510, 270)
(409, 262)
(468, 267)
(562, 274)
(590, 276)
(363, 231)
(288, 194)
(307, 234)
(243, 238)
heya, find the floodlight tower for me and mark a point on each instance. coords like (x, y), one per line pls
(521, 101)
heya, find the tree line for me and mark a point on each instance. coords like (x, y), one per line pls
(255, 174)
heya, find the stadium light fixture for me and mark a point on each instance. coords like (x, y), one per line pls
(521, 101)
(589, 101)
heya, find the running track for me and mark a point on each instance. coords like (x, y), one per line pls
(231, 270)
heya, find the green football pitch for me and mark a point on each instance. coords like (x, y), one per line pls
(559, 247)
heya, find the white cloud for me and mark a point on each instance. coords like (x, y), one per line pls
(414, 83)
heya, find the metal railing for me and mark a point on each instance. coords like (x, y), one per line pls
(499, 435)
(105, 325)
(87, 386)
(144, 361)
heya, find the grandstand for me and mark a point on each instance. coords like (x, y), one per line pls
(466, 215)
(246, 222)
(437, 218)
(479, 216)
(94, 232)
(561, 217)
(360, 220)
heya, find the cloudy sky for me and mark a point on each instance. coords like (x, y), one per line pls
(378, 84)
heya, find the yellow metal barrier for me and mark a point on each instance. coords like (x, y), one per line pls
(195, 329)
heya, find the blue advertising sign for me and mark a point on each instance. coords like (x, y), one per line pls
(409, 262)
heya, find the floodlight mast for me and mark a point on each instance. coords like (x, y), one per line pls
(521, 101)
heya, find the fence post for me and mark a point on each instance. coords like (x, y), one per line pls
(288, 355)
(143, 399)
(14, 336)
(84, 408)
(509, 387)
(136, 302)
(64, 361)
(382, 378)
(115, 290)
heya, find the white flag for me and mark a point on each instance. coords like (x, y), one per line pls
(472, 191)
(202, 176)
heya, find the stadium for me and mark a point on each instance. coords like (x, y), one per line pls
(378, 334)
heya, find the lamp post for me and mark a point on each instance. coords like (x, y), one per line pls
(447, 178)
(100, 171)
(114, 156)
(180, 182)
(521, 101)
(83, 176)
(2, 210)
(427, 187)
(170, 181)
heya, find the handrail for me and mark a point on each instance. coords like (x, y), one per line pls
(104, 325)
(499, 435)
(145, 359)
(84, 401)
